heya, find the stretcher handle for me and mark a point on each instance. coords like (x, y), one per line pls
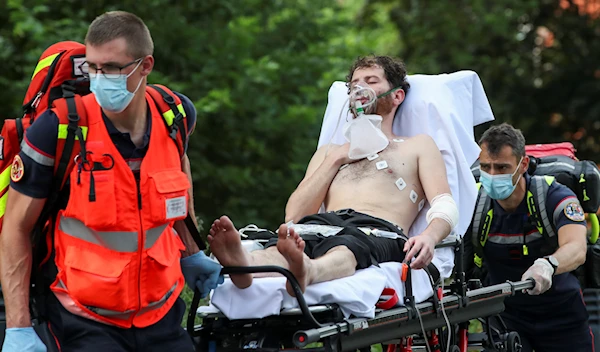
(228, 270)
(523, 285)
(306, 337)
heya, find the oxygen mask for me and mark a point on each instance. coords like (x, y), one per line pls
(363, 99)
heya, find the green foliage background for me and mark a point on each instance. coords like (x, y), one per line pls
(258, 72)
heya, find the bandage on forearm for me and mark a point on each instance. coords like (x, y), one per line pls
(443, 207)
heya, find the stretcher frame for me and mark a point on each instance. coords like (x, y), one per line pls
(297, 328)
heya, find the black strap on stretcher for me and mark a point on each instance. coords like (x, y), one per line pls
(409, 298)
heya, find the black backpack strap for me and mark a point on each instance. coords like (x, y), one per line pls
(536, 204)
(482, 220)
(73, 131)
(189, 222)
(20, 129)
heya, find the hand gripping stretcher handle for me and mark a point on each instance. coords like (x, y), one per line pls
(305, 337)
(288, 274)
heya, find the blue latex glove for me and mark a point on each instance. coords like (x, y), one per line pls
(22, 340)
(201, 272)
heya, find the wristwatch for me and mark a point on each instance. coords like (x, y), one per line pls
(552, 262)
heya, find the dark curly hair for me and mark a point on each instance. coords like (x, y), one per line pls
(394, 70)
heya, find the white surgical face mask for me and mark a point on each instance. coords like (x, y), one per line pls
(365, 136)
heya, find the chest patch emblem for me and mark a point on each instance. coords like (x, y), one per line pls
(574, 212)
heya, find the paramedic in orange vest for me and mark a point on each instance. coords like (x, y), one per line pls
(121, 252)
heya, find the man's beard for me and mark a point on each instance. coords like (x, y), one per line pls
(385, 106)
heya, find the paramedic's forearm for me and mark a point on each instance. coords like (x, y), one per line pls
(15, 270)
(572, 247)
(311, 192)
(188, 241)
(190, 245)
(570, 256)
(21, 215)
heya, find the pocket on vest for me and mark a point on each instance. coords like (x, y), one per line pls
(169, 195)
(163, 269)
(98, 278)
(99, 211)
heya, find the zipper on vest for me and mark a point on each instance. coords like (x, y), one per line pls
(139, 194)
(140, 245)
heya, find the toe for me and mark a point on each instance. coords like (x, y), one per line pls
(282, 232)
(226, 223)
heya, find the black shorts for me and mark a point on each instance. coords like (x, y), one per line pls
(367, 249)
(74, 333)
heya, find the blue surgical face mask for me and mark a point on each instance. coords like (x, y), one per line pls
(111, 90)
(499, 187)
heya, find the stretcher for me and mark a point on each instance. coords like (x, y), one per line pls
(446, 107)
(439, 323)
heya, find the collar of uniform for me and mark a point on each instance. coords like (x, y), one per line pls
(113, 131)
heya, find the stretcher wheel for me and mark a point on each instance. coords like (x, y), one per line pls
(513, 342)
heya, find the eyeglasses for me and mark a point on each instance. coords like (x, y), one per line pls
(108, 71)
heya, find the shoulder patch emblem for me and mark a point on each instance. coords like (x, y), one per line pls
(574, 212)
(17, 169)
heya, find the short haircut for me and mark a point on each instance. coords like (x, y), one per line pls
(394, 70)
(496, 137)
(120, 24)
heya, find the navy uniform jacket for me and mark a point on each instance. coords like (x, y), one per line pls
(39, 146)
(504, 258)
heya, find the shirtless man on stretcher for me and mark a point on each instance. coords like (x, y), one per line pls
(384, 190)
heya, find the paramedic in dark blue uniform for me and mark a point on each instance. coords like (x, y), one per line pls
(552, 316)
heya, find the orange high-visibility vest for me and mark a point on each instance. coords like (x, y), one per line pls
(116, 251)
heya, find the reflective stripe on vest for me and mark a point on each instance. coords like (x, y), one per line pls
(127, 314)
(169, 116)
(516, 239)
(121, 241)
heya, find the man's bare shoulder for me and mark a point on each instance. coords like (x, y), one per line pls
(419, 138)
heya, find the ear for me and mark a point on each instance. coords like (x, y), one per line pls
(147, 65)
(525, 164)
(399, 96)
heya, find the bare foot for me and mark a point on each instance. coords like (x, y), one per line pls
(226, 245)
(292, 249)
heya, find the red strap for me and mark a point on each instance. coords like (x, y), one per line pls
(391, 302)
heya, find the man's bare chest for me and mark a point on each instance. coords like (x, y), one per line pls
(394, 164)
